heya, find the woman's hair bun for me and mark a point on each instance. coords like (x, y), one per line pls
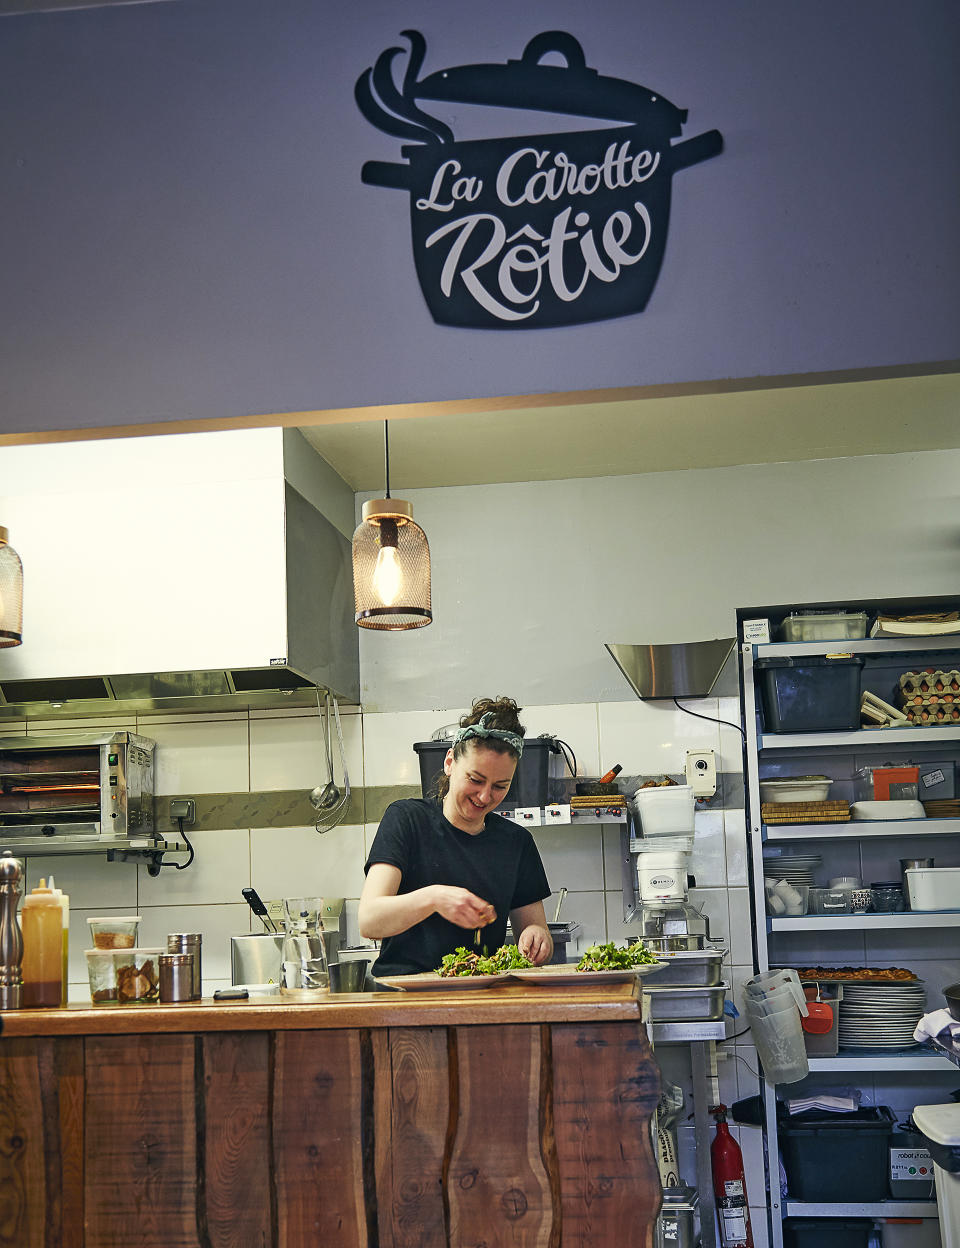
(505, 712)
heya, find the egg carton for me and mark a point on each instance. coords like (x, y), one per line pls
(928, 684)
(939, 714)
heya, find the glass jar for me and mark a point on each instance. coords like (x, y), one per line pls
(888, 897)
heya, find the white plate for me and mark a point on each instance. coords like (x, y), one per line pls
(430, 981)
(553, 975)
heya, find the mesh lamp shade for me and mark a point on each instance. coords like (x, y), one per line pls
(11, 594)
(391, 568)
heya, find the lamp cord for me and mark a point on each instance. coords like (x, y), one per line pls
(386, 454)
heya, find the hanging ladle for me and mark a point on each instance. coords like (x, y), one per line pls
(327, 797)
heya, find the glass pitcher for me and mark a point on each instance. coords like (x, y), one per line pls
(303, 960)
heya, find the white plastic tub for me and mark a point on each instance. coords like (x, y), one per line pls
(933, 888)
(796, 789)
(666, 811)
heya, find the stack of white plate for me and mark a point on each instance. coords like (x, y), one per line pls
(794, 868)
(880, 1016)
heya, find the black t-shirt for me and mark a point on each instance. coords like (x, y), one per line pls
(501, 864)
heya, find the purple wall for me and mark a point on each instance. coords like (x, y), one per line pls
(184, 233)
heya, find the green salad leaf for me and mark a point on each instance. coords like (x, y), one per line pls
(608, 957)
(464, 962)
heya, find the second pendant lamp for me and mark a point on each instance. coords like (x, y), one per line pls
(391, 563)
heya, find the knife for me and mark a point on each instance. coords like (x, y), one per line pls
(252, 898)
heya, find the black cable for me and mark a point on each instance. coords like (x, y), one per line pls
(181, 866)
(709, 718)
(735, 1036)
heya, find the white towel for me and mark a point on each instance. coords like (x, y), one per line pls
(935, 1024)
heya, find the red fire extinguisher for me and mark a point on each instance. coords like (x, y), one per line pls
(729, 1185)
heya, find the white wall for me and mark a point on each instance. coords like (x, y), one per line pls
(530, 580)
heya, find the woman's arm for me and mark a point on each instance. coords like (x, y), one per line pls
(533, 937)
(384, 911)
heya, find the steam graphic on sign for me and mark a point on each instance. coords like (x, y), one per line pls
(534, 231)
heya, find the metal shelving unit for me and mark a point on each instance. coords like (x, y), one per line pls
(864, 922)
(771, 754)
(861, 830)
(875, 1209)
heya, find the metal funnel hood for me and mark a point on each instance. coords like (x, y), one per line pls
(190, 572)
(687, 669)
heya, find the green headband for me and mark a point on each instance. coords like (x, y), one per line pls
(482, 731)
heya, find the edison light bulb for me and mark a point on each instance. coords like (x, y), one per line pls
(387, 576)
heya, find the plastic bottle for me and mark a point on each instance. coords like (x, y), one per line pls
(64, 900)
(41, 918)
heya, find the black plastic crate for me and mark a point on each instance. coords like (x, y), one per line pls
(838, 1157)
(810, 694)
(827, 1232)
(530, 785)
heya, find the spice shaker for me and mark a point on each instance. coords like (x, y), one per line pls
(11, 939)
(189, 942)
(176, 977)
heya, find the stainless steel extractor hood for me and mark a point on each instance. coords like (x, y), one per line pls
(690, 669)
(190, 572)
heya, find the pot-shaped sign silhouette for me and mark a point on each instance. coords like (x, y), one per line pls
(536, 230)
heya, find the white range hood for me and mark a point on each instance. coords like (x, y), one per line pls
(180, 572)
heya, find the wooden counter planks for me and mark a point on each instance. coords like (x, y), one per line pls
(529, 1134)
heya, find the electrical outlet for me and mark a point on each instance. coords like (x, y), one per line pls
(702, 772)
(530, 815)
(184, 808)
(556, 813)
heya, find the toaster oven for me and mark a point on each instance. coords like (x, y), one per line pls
(69, 792)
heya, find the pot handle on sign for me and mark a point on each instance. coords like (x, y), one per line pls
(382, 173)
(692, 151)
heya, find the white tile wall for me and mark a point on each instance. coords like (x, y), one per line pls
(262, 752)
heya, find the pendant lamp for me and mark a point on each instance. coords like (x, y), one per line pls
(11, 594)
(391, 563)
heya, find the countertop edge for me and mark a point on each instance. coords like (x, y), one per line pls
(573, 1004)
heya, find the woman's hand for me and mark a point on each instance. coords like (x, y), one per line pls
(383, 912)
(460, 906)
(536, 944)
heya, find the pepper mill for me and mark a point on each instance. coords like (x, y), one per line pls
(11, 938)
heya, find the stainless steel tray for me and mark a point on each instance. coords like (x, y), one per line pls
(686, 1003)
(695, 968)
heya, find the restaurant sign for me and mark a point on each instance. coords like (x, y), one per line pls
(541, 230)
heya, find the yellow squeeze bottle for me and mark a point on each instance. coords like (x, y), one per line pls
(41, 920)
(64, 900)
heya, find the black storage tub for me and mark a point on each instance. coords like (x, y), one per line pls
(838, 1157)
(815, 693)
(827, 1232)
(529, 786)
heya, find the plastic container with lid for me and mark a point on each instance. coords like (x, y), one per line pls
(815, 693)
(41, 921)
(666, 810)
(933, 888)
(115, 931)
(824, 626)
(883, 784)
(939, 1126)
(838, 1157)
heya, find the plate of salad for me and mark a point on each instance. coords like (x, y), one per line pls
(465, 969)
(600, 964)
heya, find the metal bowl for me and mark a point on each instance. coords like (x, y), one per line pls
(953, 1000)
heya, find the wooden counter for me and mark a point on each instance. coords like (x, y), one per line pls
(518, 1115)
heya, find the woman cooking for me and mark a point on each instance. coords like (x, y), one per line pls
(446, 873)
